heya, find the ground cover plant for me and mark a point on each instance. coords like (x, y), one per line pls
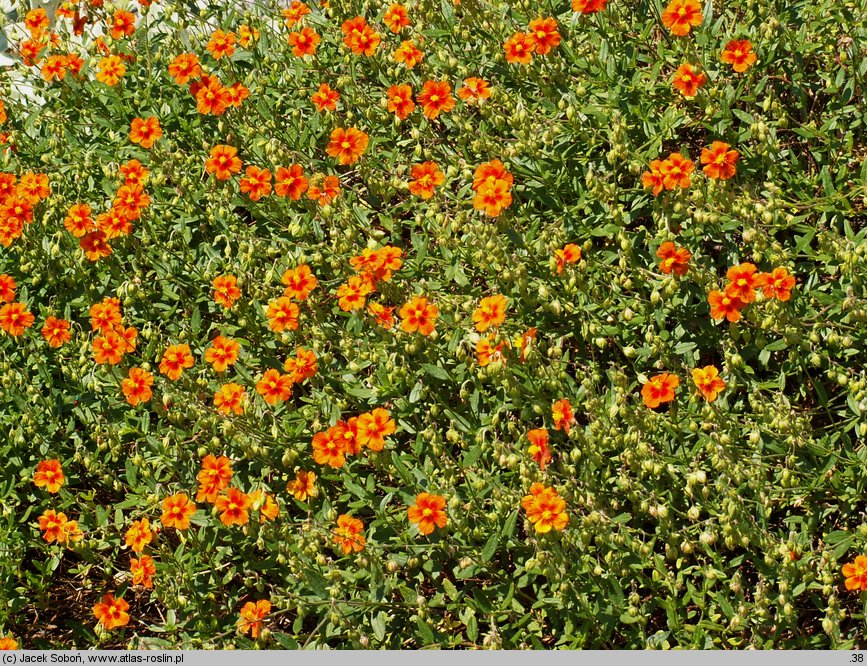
(531, 324)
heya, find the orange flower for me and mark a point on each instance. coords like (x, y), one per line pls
(708, 381)
(300, 282)
(681, 16)
(49, 475)
(674, 259)
(139, 535)
(719, 160)
(296, 11)
(546, 510)
(303, 366)
(474, 90)
(15, 318)
(659, 389)
(177, 511)
(323, 189)
(328, 448)
(544, 34)
(347, 145)
(137, 386)
(111, 612)
(675, 171)
(247, 35)
(110, 70)
(570, 254)
(396, 18)
(122, 24)
(54, 68)
(303, 486)
(222, 353)
(95, 246)
(212, 97)
(36, 21)
(687, 80)
(384, 316)
(8, 185)
(108, 348)
(223, 162)
(856, 573)
(274, 387)
(252, 616)
(256, 183)
(367, 263)
(776, 284)
(74, 63)
(588, 6)
(78, 220)
(8, 643)
(226, 290)
(523, 341)
(418, 315)
(56, 331)
(325, 99)
(175, 359)
(11, 228)
(425, 178)
(743, 281)
(304, 42)
(360, 37)
(428, 512)
(491, 312)
(237, 93)
(33, 188)
(230, 398)
(400, 100)
(213, 477)
(221, 44)
(7, 288)
(19, 207)
(739, 54)
(435, 98)
(563, 415)
(538, 448)
(185, 67)
(282, 314)
(725, 306)
(352, 293)
(290, 182)
(145, 131)
(390, 261)
(233, 506)
(29, 51)
(134, 173)
(53, 526)
(142, 571)
(408, 54)
(349, 534)
(350, 432)
(128, 202)
(487, 351)
(519, 48)
(374, 427)
(265, 504)
(493, 197)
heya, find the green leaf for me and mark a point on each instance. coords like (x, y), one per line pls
(377, 623)
(490, 547)
(436, 371)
